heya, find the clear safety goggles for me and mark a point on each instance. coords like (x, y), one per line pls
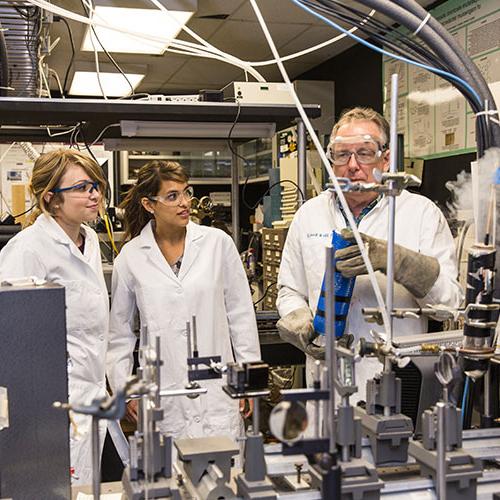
(365, 148)
(83, 188)
(174, 197)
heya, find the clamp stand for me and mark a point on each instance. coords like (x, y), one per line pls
(250, 381)
(440, 454)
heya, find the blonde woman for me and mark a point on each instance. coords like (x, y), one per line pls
(67, 189)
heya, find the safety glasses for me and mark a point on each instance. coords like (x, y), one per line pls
(173, 198)
(83, 188)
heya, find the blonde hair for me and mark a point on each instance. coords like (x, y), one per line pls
(149, 179)
(363, 114)
(47, 173)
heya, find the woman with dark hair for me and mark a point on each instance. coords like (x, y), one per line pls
(59, 246)
(172, 270)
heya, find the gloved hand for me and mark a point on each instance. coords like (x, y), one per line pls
(296, 328)
(415, 271)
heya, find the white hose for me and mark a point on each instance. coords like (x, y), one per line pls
(315, 47)
(327, 165)
(228, 58)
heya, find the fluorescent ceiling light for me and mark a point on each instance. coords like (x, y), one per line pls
(151, 22)
(196, 129)
(113, 84)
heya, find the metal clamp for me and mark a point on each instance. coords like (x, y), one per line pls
(398, 180)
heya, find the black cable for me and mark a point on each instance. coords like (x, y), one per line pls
(243, 191)
(265, 293)
(4, 65)
(24, 213)
(115, 64)
(107, 196)
(72, 60)
(442, 50)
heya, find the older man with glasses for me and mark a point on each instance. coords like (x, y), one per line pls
(425, 267)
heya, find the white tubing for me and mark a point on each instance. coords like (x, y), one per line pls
(315, 47)
(229, 59)
(327, 165)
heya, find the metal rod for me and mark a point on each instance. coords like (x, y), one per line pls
(441, 451)
(392, 215)
(302, 159)
(165, 393)
(331, 355)
(317, 384)
(487, 395)
(96, 470)
(255, 416)
(157, 374)
(195, 337)
(235, 200)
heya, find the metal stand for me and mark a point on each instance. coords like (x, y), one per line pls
(244, 382)
(440, 454)
(359, 478)
(205, 464)
(388, 433)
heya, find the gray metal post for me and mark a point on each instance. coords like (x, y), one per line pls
(235, 200)
(392, 218)
(256, 417)
(96, 469)
(302, 159)
(441, 451)
(330, 354)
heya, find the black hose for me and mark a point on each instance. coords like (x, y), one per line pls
(4, 65)
(443, 50)
(485, 91)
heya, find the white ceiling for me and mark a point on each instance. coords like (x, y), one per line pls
(239, 34)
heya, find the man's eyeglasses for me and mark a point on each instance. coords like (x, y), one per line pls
(364, 156)
(82, 188)
(173, 197)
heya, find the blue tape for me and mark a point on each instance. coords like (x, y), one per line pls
(343, 288)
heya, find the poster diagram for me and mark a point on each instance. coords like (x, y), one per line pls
(434, 117)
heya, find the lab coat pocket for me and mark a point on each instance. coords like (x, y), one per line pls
(85, 305)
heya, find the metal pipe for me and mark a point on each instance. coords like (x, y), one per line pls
(96, 470)
(195, 337)
(392, 219)
(487, 396)
(157, 375)
(255, 416)
(317, 385)
(235, 200)
(441, 451)
(302, 158)
(331, 355)
(165, 393)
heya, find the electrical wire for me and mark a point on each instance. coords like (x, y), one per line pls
(437, 71)
(109, 230)
(201, 50)
(73, 52)
(326, 163)
(110, 57)
(265, 293)
(235, 153)
(314, 48)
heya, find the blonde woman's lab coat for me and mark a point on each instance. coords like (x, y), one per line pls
(44, 250)
(212, 286)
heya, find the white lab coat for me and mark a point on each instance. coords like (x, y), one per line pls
(211, 286)
(420, 226)
(46, 251)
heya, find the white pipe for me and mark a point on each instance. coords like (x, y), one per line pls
(326, 163)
